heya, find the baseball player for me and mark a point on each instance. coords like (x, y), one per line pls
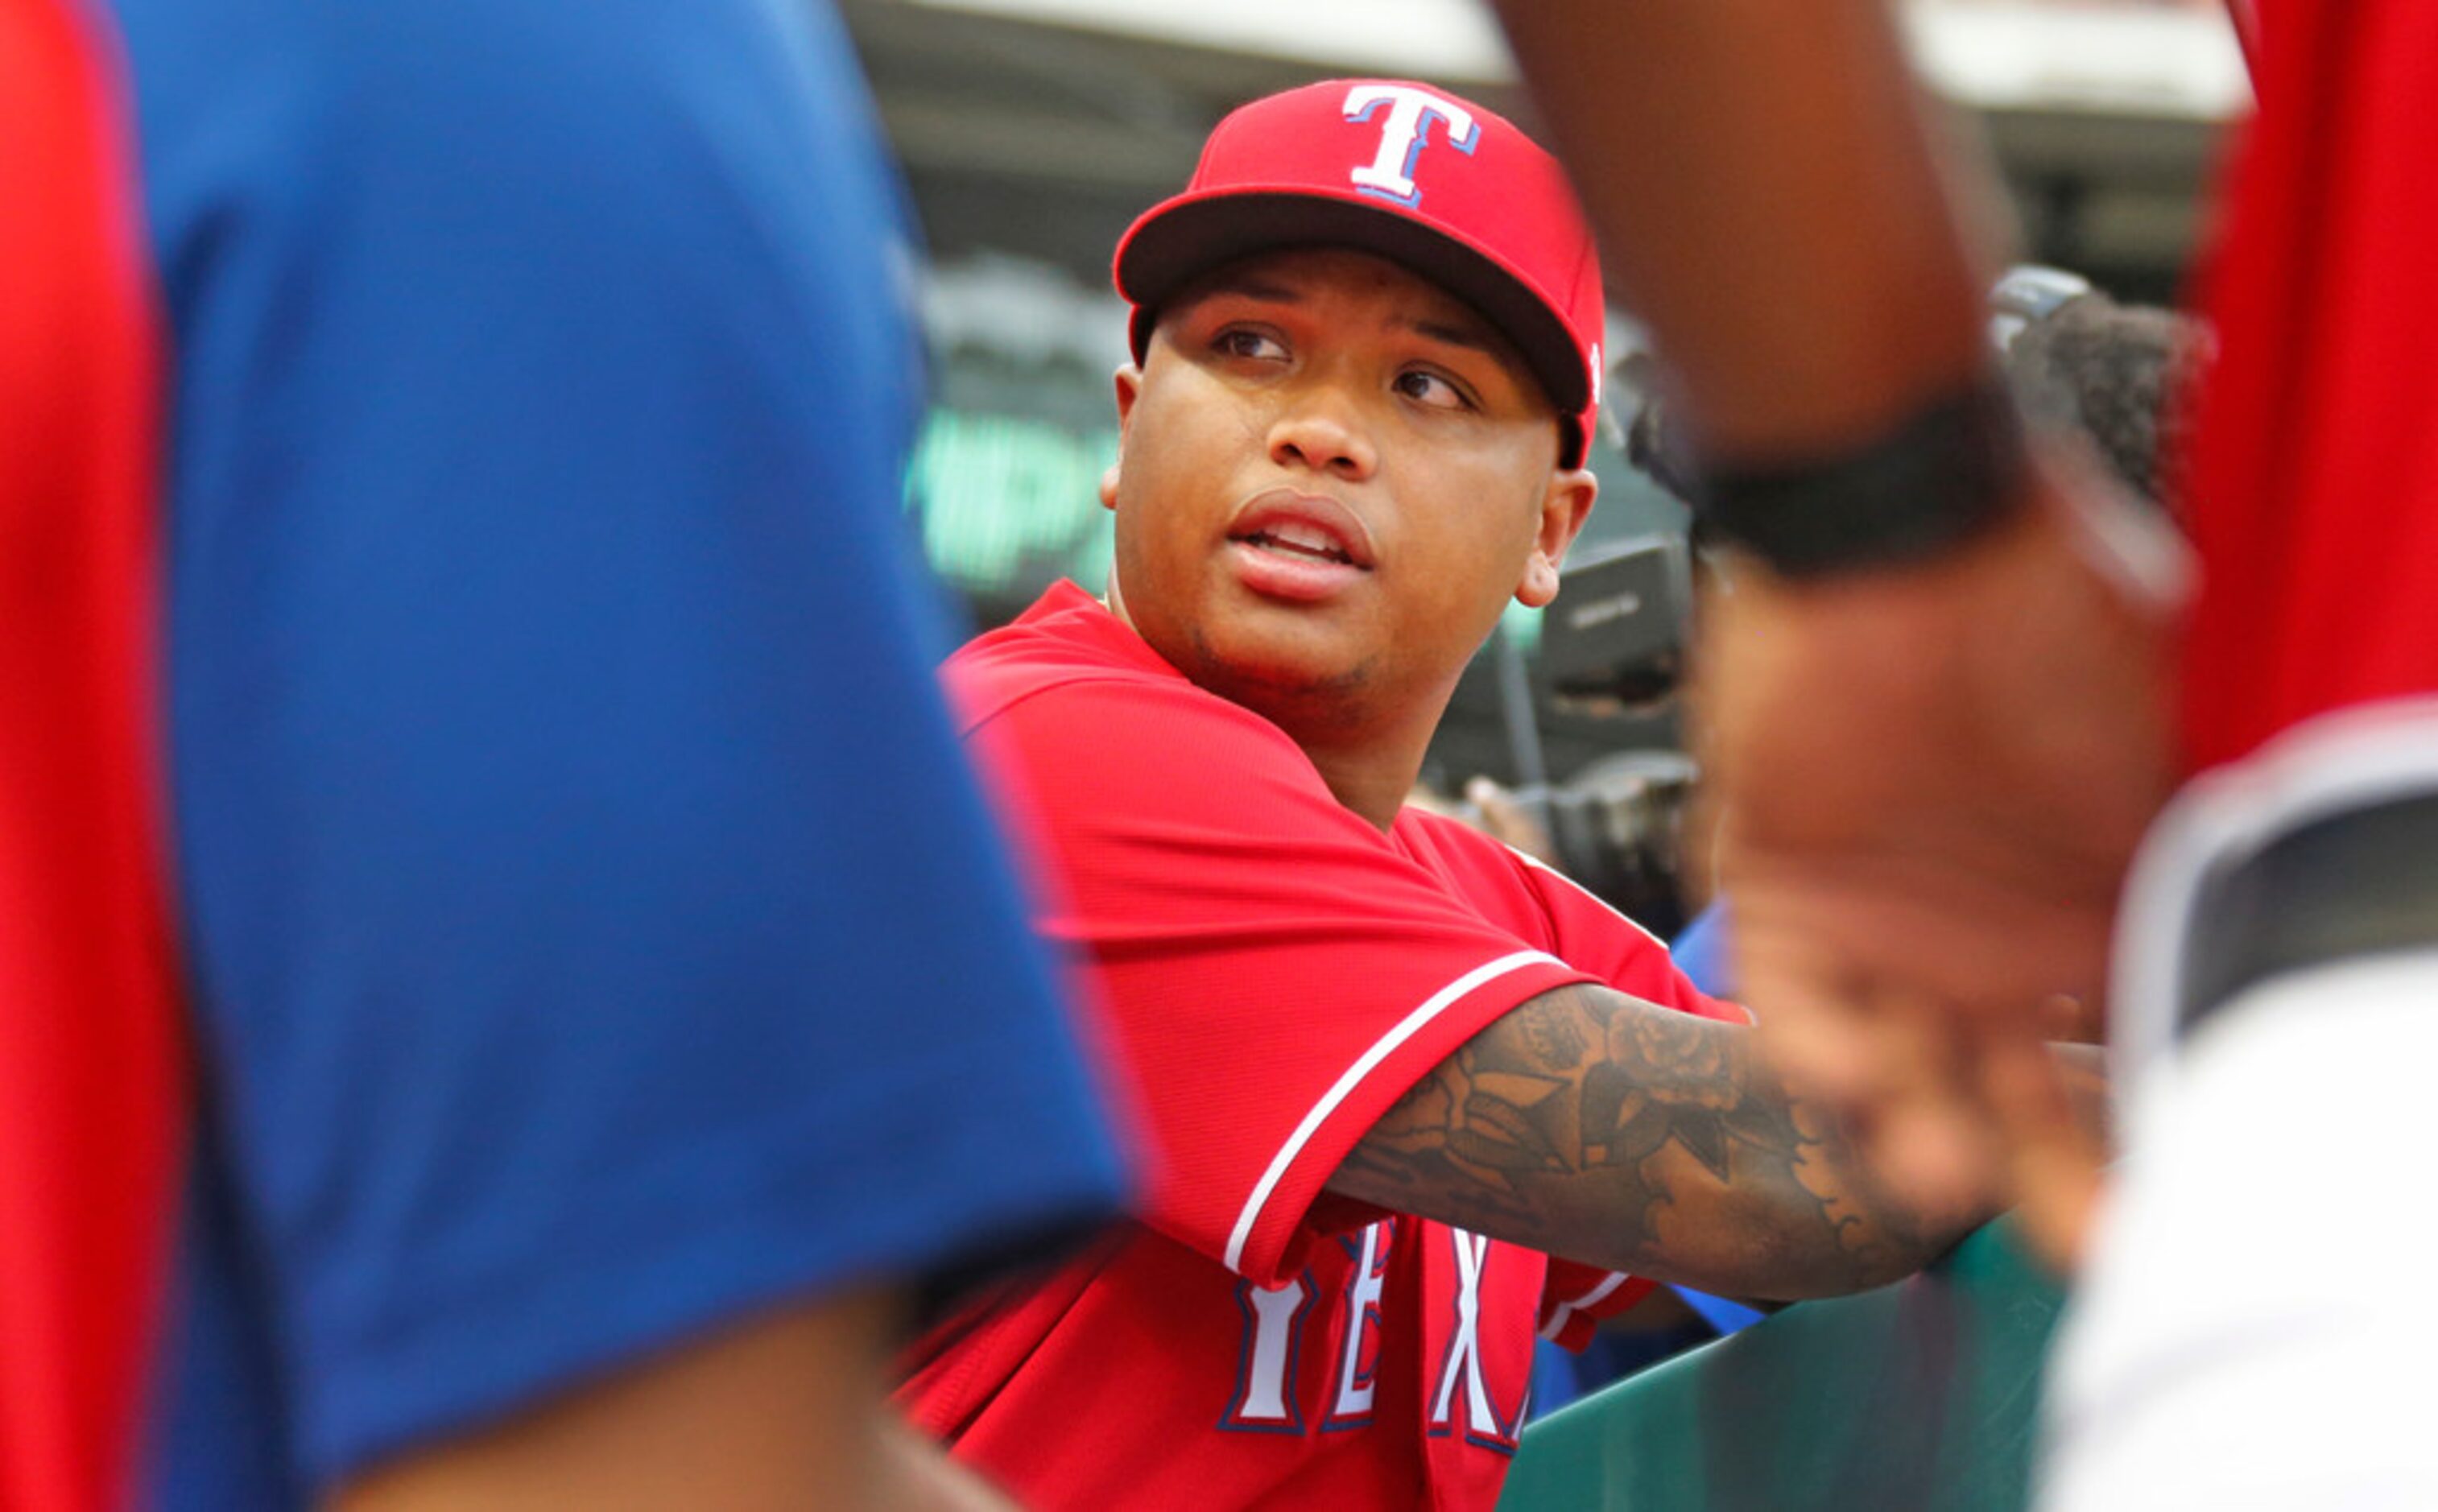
(559, 798)
(1386, 1067)
(1968, 792)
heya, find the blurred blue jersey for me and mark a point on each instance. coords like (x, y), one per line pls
(593, 933)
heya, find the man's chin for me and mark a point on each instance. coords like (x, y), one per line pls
(1289, 685)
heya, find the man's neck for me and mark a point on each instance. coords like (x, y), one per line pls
(1368, 764)
(1375, 790)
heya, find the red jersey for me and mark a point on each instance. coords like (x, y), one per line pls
(2315, 472)
(1275, 974)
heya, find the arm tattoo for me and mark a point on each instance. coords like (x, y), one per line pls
(1592, 1124)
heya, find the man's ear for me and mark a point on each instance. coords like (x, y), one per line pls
(1129, 382)
(1564, 506)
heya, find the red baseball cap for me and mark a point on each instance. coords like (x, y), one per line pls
(1434, 183)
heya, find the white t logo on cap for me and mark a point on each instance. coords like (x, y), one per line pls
(1390, 174)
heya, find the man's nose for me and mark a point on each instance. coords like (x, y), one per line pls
(1321, 426)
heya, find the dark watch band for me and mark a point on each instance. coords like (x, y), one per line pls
(1950, 470)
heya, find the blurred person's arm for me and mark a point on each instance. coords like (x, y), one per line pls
(1770, 201)
(1937, 766)
(784, 1412)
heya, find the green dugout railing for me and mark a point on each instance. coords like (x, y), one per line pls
(1923, 1395)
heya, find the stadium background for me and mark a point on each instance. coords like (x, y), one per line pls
(1032, 131)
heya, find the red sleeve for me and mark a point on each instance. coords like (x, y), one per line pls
(1607, 944)
(1275, 972)
(1576, 1298)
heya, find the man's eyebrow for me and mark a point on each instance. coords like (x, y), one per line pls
(1467, 334)
(1473, 335)
(1251, 286)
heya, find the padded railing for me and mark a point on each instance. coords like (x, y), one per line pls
(1921, 1395)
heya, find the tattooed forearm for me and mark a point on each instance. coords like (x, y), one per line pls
(1591, 1124)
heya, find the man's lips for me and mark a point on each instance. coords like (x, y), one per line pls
(1299, 548)
(1311, 527)
(1300, 539)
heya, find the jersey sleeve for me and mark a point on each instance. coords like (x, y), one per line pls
(1276, 972)
(595, 931)
(1576, 1298)
(1620, 953)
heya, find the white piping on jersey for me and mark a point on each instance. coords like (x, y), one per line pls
(1531, 860)
(1567, 1310)
(1363, 1067)
(1535, 862)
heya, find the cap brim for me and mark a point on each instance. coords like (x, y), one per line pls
(1180, 241)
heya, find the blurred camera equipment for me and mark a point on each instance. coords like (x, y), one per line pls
(1618, 826)
(1613, 648)
(1613, 641)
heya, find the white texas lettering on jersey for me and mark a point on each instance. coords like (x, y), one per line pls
(1274, 1321)
(1462, 1364)
(1403, 134)
(1359, 1361)
(1267, 1362)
